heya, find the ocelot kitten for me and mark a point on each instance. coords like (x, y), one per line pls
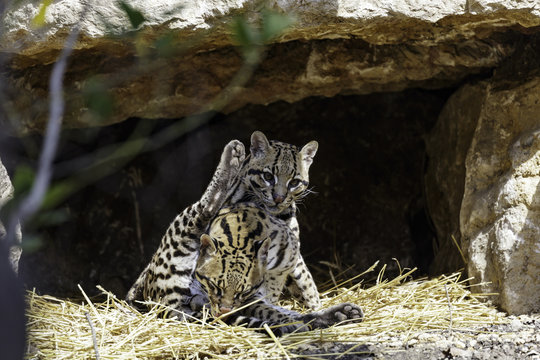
(168, 276)
(273, 176)
(247, 256)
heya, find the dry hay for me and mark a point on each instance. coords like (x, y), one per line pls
(400, 308)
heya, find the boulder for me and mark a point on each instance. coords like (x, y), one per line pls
(446, 148)
(6, 194)
(12, 305)
(500, 212)
(487, 169)
(334, 47)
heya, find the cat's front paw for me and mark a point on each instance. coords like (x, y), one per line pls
(345, 312)
(238, 154)
(229, 166)
(197, 302)
(233, 156)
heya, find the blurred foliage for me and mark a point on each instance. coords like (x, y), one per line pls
(274, 24)
(32, 242)
(22, 181)
(250, 37)
(46, 215)
(56, 194)
(97, 98)
(136, 18)
(166, 45)
(39, 19)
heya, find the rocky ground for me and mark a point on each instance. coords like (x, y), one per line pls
(519, 339)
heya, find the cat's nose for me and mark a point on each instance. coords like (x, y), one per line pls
(224, 310)
(278, 199)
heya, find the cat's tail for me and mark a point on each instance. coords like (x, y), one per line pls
(136, 291)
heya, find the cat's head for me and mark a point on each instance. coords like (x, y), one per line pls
(230, 272)
(278, 173)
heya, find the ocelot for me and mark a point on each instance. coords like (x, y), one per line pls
(272, 177)
(246, 259)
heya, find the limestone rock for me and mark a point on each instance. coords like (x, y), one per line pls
(498, 167)
(335, 47)
(6, 193)
(447, 147)
(12, 305)
(500, 213)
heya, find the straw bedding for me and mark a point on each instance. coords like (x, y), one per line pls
(400, 308)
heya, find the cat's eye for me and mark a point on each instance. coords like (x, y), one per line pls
(217, 291)
(243, 294)
(213, 287)
(268, 176)
(294, 183)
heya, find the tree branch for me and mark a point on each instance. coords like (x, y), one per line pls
(31, 203)
(94, 341)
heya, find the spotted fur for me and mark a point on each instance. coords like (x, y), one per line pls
(274, 176)
(168, 276)
(246, 259)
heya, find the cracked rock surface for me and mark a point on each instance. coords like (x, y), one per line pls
(334, 47)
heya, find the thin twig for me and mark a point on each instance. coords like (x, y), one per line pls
(449, 308)
(31, 203)
(134, 182)
(459, 249)
(113, 157)
(278, 343)
(87, 314)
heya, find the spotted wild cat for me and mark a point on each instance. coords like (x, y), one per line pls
(168, 276)
(247, 256)
(273, 176)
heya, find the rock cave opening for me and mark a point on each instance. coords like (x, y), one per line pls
(367, 176)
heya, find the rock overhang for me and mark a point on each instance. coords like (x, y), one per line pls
(332, 47)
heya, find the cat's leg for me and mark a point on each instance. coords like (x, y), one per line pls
(169, 276)
(301, 286)
(135, 293)
(299, 282)
(284, 321)
(224, 178)
(176, 281)
(280, 320)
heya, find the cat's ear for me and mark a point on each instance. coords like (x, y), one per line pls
(207, 244)
(262, 247)
(308, 152)
(259, 144)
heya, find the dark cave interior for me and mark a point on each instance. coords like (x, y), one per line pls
(367, 177)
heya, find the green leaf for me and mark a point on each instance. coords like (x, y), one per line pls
(249, 39)
(31, 243)
(39, 19)
(136, 18)
(97, 98)
(273, 24)
(244, 34)
(57, 193)
(51, 218)
(165, 45)
(23, 180)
